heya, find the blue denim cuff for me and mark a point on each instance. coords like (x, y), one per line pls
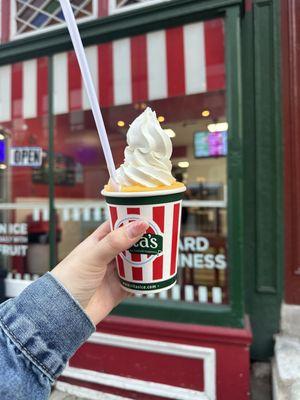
(46, 323)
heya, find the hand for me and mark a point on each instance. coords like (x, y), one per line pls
(89, 271)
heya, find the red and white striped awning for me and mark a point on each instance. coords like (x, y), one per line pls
(166, 63)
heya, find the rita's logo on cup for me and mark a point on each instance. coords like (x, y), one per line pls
(148, 247)
(148, 244)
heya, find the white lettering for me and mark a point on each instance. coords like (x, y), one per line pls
(209, 261)
(221, 261)
(189, 243)
(153, 243)
(202, 244)
(185, 260)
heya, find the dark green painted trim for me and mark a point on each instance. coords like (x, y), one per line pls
(144, 200)
(148, 286)
(235, 160)
(51, 186)
(141, 20)
(263, 206)
(173, 311)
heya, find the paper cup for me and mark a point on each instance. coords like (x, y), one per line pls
(150, 266)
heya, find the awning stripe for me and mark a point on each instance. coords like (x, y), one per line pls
(5, 93)
(194, 58)
(156, 65)
(105, 61)
(161, 64)
(60, 83)
(122, 72)
(16, 93)
(92, 57)
(30, 88)
(139, 73)
(214, 54)
(175, 62)
(42, 86)
(74, 82)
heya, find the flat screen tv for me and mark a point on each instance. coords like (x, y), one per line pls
(210, 144)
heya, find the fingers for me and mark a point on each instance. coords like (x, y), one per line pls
(121, 239)
(101, 231)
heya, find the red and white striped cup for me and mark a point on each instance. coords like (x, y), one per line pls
(150, 266)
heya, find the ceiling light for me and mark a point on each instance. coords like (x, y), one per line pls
(170, 133)
(205, 113)
(3, 166)
(121, 124)
(219, 127)
(183, 164)
(2, 137)
(160, 118)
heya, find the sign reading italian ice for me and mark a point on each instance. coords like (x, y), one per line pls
(13, 239)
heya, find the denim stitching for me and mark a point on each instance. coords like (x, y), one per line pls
(26, 350)
(66, 293)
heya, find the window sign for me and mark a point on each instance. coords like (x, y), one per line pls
(26, 156)
(13, 239)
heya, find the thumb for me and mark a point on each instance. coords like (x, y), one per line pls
(121, 239)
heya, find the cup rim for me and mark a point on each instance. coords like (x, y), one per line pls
(144, 193)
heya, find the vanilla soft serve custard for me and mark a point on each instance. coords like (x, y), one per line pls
(147, 164)
(147, 190)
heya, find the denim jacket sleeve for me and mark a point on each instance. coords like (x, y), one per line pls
(39, 331)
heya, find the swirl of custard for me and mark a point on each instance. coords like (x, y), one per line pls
(147, 156)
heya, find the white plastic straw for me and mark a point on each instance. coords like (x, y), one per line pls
(89, 86)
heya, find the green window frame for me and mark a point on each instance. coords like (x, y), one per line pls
(142, 20)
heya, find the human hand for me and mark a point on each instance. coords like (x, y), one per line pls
(89, 271)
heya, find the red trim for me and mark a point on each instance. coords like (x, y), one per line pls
(105, 74)
(74, 81)
(139, 73)
(42, 86)
(214, 54)
(291, 124)
(103, 8)
(5, 20)
(159, 218)
(231, 347)
(17, 90)
(175, 332)
(175, 61)
(115, 361)
(175, 238)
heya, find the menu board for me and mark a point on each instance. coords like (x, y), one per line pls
(210, 144)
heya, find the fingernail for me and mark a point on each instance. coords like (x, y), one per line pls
(136, 228)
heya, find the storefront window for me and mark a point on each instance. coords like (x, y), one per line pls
(24, 226)
(180, 74)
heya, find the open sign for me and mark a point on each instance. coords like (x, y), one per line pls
(26, 156)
